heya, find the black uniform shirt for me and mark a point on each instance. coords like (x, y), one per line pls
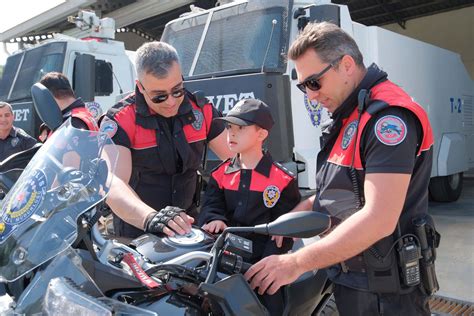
(18, 140)
(166, 152)
(243, 197)
(335, 190)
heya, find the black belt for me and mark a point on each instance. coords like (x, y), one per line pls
(354, 264)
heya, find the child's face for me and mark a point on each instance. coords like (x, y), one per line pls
(244, 138)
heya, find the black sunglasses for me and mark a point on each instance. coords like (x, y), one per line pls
(163, 97)
(312, 82)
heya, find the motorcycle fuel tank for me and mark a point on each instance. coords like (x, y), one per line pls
(160, 249)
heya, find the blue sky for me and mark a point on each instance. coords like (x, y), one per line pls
(17, 11)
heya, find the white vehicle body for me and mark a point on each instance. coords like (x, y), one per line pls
(98, 67)
(436, 78)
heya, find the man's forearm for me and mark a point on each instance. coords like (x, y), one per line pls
(350, 238)
(126, 204)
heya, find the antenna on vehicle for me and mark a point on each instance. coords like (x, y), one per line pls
(274, 22)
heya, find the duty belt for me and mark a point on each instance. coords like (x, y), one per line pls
(354, 264)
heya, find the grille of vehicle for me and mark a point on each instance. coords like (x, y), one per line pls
(447, 306)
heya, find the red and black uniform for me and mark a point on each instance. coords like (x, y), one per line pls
(393, 135)
(166, 152)
(80, 116)
(243, 197)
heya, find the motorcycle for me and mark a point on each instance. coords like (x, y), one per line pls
(54, 260)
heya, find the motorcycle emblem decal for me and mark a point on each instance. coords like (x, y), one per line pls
(15, 141)
(108, 127)
(314, 109)
(390, 130)
(94, 108)
(349, 133)
(271, 194)
(23, 202)
(199, 119)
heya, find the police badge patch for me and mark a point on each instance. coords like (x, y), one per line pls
(349, 133)
(22, 203)
(94, 108)
(199, 119)
(15, 141)
(314, 109)
(108, 127)
(271, 195)
(390, 130)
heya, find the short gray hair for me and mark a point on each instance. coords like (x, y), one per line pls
(328, 40)
(155, 58)
(5, 104)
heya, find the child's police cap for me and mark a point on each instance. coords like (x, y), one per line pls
(250, 112)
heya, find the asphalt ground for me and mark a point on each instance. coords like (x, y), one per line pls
(455, 255)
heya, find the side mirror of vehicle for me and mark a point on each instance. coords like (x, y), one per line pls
(303, 224)
(46, 106)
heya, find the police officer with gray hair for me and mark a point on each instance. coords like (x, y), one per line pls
(162, 131)
(12, 139)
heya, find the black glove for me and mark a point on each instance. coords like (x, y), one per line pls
(156, 222)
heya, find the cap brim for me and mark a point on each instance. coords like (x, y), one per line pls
(235, 120)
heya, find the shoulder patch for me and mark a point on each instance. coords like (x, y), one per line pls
(108, 126)
(94, 108)
(349, 133)
(284, 169)
(271, 195)
(14, 141)
(390, 130)
(198, 119)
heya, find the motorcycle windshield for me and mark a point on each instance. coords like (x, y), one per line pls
(69, 175)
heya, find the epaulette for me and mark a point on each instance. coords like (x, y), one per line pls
(129, 100)
(284, 169)
(21, 132)
(200, 98)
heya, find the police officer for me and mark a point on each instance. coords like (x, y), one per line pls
(12, 139)
(161, 131)
(372, 176)
(70, 106)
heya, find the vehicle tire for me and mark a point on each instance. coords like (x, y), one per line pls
(447, 188)
(330, 309)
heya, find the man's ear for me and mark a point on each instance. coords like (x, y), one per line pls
(139, 85)
(348, 64)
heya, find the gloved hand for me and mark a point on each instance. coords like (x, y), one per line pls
(158, 222)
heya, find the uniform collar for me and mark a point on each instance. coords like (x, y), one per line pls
(263, 167)
(13, 132)
(78, 103)
(373, 77)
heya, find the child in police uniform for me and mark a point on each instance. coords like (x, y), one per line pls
(251, 188)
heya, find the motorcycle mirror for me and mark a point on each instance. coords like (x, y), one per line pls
(303, 224)
(46, 106)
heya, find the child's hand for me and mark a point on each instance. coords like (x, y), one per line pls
(214, 226)
(278, 240)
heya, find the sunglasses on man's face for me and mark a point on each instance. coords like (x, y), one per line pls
(178, 93)
(312, 82)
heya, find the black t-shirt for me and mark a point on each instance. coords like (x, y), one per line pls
(18, 140)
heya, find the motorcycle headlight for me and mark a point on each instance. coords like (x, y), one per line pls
(64, 298)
